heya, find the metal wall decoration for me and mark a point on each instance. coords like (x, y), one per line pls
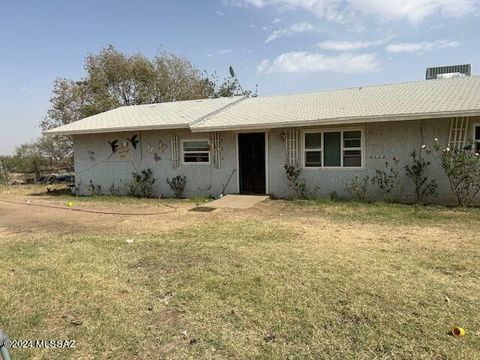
(122, 147)
(113, 145)
(291, 137)
(156, 150)
(134, 141)
(216, 149)
(174, 150)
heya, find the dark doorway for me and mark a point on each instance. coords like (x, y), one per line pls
(251, 159)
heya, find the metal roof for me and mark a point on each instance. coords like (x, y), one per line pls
(171, 115)
(393, 102)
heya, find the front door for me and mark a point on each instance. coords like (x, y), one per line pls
(251, 159)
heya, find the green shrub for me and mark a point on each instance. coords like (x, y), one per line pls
(357, 189)
(94, 189)
(424, 187)
(141, 184)
(387, 180)
(462, 167)
(294, 182)
(177, 184)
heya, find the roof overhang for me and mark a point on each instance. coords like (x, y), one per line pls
(339, 121)
(116, 130)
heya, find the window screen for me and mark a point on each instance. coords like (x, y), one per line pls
(313, 149)
(332, 148)
(196, 151)
(335, 148)
(352, 148)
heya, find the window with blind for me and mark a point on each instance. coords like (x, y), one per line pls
(333, 149)
(196, 151)
(313, 149)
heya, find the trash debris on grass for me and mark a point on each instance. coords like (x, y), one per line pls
(269, 338)
(458, 331)
(72, 320)
(167, 297)
(130, 241)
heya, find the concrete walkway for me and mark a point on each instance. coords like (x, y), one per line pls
(237, 201)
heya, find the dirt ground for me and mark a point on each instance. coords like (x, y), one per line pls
(27, 213)
(24, 214)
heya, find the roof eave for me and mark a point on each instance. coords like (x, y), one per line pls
(54, 132)
(338, 121)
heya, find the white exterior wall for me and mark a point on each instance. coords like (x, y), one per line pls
(108, 168)
(382, 141)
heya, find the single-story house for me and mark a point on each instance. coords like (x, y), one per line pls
(240, 144)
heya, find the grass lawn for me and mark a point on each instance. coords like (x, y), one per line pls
(290, 280)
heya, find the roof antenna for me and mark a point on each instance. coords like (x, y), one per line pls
(232, 74)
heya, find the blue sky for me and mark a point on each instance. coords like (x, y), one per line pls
(284, 46)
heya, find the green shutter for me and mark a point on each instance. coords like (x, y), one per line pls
(332, 146)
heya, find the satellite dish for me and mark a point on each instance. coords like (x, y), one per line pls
(232, 73)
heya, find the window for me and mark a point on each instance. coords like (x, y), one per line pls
(352, 148)
(477, 138)
(334, 148)
(196, 151)
(333, 144)
(313, 149)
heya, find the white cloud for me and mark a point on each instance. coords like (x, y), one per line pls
(294, 29)
(343, 10)
(308, 62)
(413, 10)
(339, 45)
(421, 47)
(276, 21)
(219, 13)
(219, 52)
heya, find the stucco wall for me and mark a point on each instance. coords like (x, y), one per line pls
(382, 142)
(95, 162)
(107, 168)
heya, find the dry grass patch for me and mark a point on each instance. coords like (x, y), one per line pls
(243, 289)
(283, 280)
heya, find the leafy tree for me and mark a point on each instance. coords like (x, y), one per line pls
(114, 79)
(30, 159)
(4, 175)
(56, 150)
